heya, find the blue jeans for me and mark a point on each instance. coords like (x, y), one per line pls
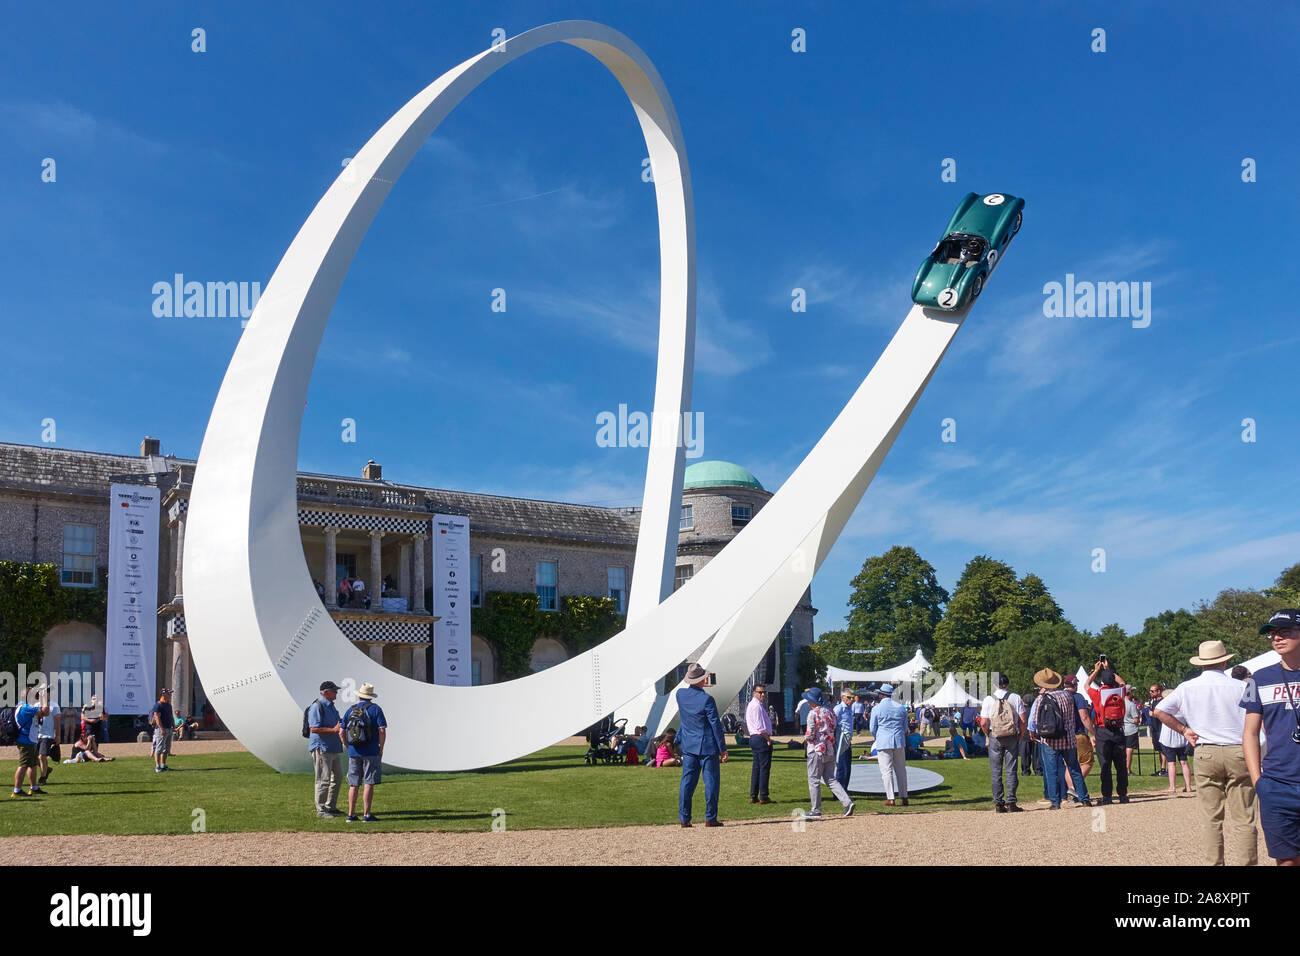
(1053, 773)
(1071, 757)
(692, 766)
(844, 764)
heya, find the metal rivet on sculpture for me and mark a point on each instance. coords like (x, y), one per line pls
(263, 642)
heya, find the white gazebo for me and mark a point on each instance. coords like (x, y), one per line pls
(951, 694)
(908, 671)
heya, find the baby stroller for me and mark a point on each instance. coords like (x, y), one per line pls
(600, 740)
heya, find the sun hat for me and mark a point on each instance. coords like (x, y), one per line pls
(695, 674)
(367, 692)
(886, 690)
(813, 695)
(1048, 678)
(1211, 652)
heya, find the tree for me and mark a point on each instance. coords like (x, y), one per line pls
(811, 668)
(835, 648)
(1161, 652)
(988, 605)
(1046, 644)
(895, 606)
(1287, 587)
(1235, 616)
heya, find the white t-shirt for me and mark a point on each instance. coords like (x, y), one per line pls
(990, 706)
(1208, 704)
(358, 586)
(45, 726)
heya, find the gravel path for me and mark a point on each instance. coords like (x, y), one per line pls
(1153, 828)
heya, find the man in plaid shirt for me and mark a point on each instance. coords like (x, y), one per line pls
(1058, 752)
(820, 746)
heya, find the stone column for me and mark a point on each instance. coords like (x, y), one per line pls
(418, 669)
(376, 583)
(404, 573)
(331, 564)
(180, 557)
(181, 684)
(417, 595)
(377, 653)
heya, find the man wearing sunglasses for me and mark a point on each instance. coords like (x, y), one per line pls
(1271, 699)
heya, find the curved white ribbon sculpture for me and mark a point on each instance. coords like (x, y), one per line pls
(260, 636)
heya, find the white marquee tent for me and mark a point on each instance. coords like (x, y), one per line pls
(951, 695)
(909, 671)
(1264, 660)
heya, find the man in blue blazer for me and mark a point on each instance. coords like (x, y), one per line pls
(703, 745)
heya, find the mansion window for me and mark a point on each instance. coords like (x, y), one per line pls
(683, 574)
(546, 588)
(79, 555)
(740, 515)
(476, 581)
(618, 588)
(687, 521)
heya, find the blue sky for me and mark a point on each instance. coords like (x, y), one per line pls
(818, 170)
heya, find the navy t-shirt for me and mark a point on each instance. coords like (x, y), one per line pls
(164, 711)
(1266, 694)
(377, 720)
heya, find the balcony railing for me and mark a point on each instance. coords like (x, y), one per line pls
(361, 493)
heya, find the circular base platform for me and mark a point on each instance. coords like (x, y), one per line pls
(865, 778)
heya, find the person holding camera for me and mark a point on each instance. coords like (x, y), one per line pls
(1108, 711)
(1206, 711)
(1272, 700)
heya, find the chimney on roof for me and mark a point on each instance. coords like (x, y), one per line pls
(148, 447)
(372, 471)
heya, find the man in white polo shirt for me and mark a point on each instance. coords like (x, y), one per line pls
(1206, 710)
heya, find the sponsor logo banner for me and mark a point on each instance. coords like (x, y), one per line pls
(451, 634)
(132, 599)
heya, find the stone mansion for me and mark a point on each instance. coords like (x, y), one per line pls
(54, 508)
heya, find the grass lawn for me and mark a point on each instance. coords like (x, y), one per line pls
(549, 789)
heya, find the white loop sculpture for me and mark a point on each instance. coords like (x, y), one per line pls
(260, 636)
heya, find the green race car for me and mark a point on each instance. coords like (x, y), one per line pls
(954, 274)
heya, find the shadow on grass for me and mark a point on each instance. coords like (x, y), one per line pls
(385, 815)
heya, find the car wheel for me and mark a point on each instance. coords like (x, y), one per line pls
(976, 287)
(1015, 226)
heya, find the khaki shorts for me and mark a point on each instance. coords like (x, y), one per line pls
(1083, 747)
(27, 755)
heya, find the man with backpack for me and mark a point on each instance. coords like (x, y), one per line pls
(1052, 722)
(1108, 707)
(21, 721)
(324, 730)
(1002, 718)
(365, 731)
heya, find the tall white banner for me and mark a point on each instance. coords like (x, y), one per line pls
(132, 599)
(451, 634)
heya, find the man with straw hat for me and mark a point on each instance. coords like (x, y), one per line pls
(1052, 722)
(1207, 711)
(702, 745)
(365, 731)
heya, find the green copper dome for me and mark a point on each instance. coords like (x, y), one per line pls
(717, 474)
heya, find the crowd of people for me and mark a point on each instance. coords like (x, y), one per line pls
(1240, 730)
